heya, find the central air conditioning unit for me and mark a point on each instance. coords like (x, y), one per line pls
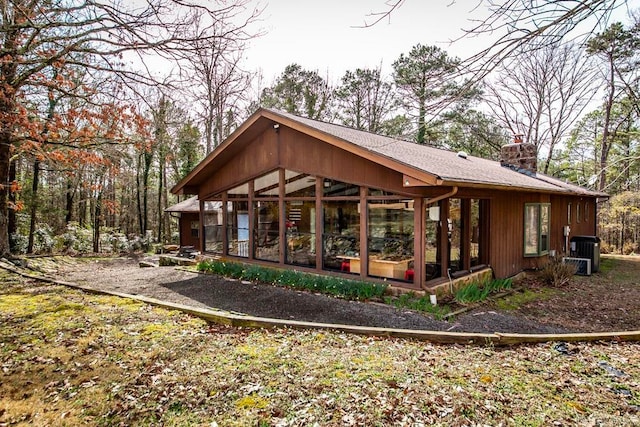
(583, 265)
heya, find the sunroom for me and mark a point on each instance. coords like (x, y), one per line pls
(295, 219)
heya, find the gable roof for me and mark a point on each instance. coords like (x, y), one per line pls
(431, 165)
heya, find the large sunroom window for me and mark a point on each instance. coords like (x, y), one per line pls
(238, 228)
(267, 229)
(301, 232)
(341, 235)
(536, 228)
(390, 238)
(213, 229)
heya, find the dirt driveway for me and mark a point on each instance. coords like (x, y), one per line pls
(568, 310)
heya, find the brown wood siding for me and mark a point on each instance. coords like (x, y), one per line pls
(185, 230)
(305, 154)
(583, 226)
(507, 233)
(261, 155)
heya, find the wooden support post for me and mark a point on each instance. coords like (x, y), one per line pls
(282, 217)
(364, 241)
(444, 238)
(201, 225)
(319, 224)
(418, 242)
(252, 223)
(225, 224)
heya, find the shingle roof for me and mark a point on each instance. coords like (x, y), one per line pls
(445, 164)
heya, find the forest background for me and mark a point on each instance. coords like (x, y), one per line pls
(92, 140)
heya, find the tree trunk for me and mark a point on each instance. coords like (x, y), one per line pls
(160, 194)
(82, 208)
(69, 202)
(421, 122)
(34, 204)
(12, 220)
(606, 135)
(148, 157)
(5, 145)
(96, 222)
(139, 193)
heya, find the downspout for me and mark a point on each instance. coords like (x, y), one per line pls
(453, 192)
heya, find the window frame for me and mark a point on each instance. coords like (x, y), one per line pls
(542, 241)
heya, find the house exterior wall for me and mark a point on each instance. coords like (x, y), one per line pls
(503, 231)
(259, 155)
(506, 232)
(186, 238)
(581, 220)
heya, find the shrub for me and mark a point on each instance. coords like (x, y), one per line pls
(337, 286)
(556, 273)
(43, 239)
(630, 248)
(75, 238)
(19, 243)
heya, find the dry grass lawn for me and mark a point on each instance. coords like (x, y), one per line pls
(70, 358)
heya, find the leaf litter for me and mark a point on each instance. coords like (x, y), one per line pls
(70, 358)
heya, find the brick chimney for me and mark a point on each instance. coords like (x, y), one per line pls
(520, 156)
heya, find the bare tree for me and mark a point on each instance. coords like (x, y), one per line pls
(217, 81)
(94, 36)
(541, 94)
(522, 25)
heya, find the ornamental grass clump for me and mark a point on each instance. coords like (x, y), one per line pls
(476, 292)
(336, 286)
(557, 273)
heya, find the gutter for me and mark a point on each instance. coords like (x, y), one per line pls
(453, 192)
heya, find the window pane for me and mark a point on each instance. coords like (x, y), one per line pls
(301, 233)
(390, 238)
(213, 230)
(376, 192)
(586, 211)
(432, 242)
(299, 184)
(544, 228)
(474, 245)
(238, 228)
(267, 185)
(337, 188)
(241, 191)
(455, 234)
(341, 236)
(531, 221)
(267, 228)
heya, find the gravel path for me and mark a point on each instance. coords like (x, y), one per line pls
(210, 291)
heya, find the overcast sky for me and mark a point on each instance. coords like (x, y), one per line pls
(323, 35)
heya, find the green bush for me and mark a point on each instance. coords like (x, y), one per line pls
(337, 286)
